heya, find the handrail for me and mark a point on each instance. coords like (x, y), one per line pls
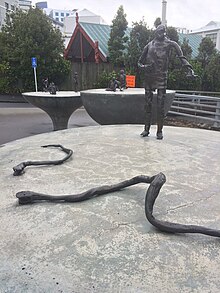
(200, 107)
(196, 110)
(197, 105)
(198, 92)
(197, 97)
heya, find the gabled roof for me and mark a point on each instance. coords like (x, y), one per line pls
(194, 42)
(86, 12)
(84, 44)
(211, 26)
(98, 32)
(89, 42)
(91, 34)
(215, 23)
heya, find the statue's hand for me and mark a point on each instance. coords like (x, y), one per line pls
(191, 73)
(148, 67)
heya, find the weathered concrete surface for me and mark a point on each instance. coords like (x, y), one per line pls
(106, 244)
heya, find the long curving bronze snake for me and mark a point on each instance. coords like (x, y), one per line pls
(156, 182)
(19, 169)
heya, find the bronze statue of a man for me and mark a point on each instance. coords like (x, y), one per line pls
(154, 60)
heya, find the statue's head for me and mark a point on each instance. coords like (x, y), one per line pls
(160, 32)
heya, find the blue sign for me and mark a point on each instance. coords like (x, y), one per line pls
(34, 62)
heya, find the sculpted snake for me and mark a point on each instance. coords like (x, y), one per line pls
(156, 182)
(19, 169)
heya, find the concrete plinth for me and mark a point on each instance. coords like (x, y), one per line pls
(59, 106)
(106, 244)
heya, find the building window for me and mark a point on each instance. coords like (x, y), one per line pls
(56, 14)
(62, 14)
(213, 37)
(61, 19)
(67, 14)
(57, 18)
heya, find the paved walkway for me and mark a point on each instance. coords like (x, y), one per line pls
(106, 244)
(22, 120)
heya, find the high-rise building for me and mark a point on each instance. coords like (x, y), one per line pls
(25, 4)
(41, 5)
(6, 6)
(59, 15)
(211, 30)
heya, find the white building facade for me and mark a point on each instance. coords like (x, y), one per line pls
(84, 16)
(25, 4)
(211, 30)
(59, 15)
(6, 5)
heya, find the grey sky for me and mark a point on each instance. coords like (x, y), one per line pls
(190, 14)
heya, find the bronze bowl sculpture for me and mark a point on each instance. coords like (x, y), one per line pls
(59, 106)
(120, 107)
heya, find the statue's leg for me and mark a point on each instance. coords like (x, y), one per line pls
(148, 112)
(161, 95)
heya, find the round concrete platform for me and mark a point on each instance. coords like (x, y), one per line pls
(106, 244)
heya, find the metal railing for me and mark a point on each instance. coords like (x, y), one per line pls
(197, 107)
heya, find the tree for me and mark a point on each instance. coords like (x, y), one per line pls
(207, 51)
(157, 22)
(118, 38)
(139, 37)
(31, 34)
(213, 73)
(186, 48)
(172, 34)
(177, 76)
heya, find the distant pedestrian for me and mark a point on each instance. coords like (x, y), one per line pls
(75, 82)
(45, 84)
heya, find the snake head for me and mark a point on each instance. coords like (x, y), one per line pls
(19, 169)
(25, 197)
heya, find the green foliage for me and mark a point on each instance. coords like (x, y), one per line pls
(140, 35)
(104, 79)
(157, 22)
(177, 78)
(172, 34)
(174, 62)
(118, 39)
(31, 34)
(207, 53)
(206, 50)
(4, 80)
(213, 73)
(187, 50)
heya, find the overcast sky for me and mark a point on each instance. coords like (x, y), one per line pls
(190, 14)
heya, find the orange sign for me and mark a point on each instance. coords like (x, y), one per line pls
(130, 80)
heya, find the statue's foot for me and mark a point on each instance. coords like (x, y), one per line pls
(160, 135)
(145, 133)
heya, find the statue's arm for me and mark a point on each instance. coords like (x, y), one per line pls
(142, 59)
(183, 59)
(180, 55)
